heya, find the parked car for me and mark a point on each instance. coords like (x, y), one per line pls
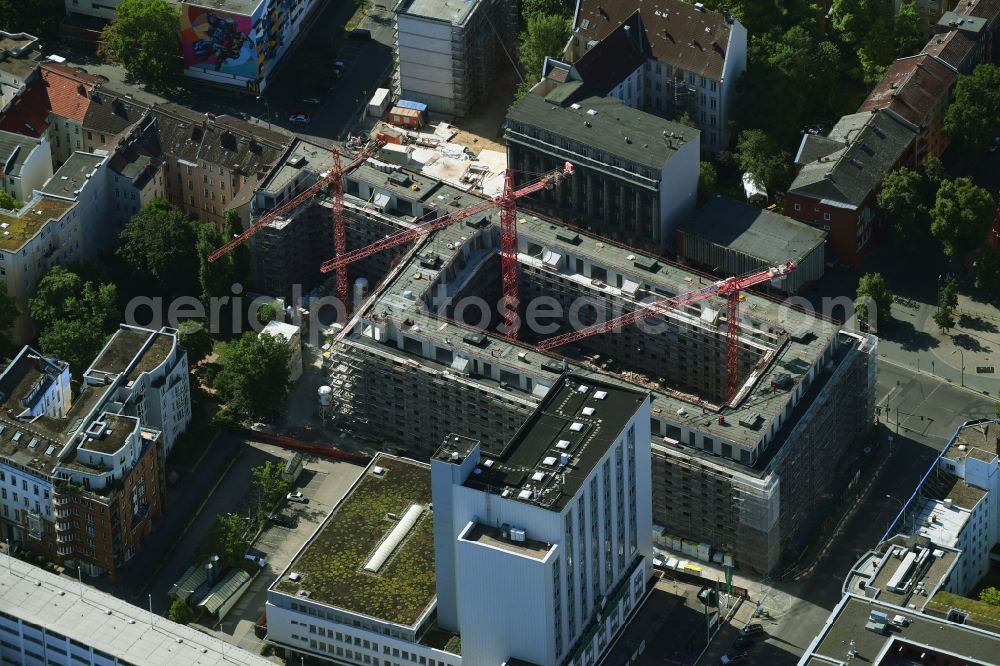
(739, 656)
(297, 497)
(259, 560)
(284, 520)
(300, 119)
(360, 33)
(752, 629)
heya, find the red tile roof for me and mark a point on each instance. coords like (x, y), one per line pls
(912, 88)
(58, 89)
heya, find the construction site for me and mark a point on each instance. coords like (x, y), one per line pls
(754, 425)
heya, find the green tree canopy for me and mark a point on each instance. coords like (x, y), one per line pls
(853, 19)
(7, 202)
(215, 277)
(36, 17)
(196, 340)
(240, 255)
(180, 612)
(899, 199)
(708, 182)
(974, 115)
(531, 8)
(991, 596)
(907, 30)
(268, 483)
(873, 292)
(9, 312)
(545, 35)
(254, 377)
(74, 317)
(758, 155)
(944, 315)
(227, 539)
(143, 38)
(159, 246)
(962, 216)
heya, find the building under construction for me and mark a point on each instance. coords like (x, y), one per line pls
(420, 358)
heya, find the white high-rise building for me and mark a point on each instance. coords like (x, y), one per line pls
(551, 540)
(539, 554)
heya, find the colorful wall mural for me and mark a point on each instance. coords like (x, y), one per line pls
(218, 41)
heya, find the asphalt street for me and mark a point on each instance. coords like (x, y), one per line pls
(929, 411)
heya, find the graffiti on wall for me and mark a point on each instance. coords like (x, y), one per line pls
(218, 41)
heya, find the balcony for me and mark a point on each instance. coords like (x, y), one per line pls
(62, 501)
(63, 527)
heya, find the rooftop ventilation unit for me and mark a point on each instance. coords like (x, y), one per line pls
(601, 395)
(588, 411)
(576, 426)
(562, 444)
(517, 534)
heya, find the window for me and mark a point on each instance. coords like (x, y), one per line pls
(826, 216)
(798, 206)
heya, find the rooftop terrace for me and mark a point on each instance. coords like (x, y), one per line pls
(332, 563)
(851, 615)
(18, 227)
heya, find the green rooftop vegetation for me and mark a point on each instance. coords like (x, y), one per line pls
(979, 611)
(332, 564)
(16, 229)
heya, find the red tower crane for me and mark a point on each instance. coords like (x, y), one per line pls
(730, 288)
(508, 238)
(332, 180)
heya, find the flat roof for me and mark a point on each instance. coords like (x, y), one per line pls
(980, 441)
(762, 234)
(581, 418)
(110, 625)
(452, 11)
(245, 7)
(16, 228)
(613, 128)
(117, 431)
(120, 351)
(72, 176)
(332, 562)
(937, 565)
(848, 620)
(488, 535)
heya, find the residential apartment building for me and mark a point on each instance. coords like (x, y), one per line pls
(110, 117)
(635, 174)
(446, 53)
(208, 160)
(82, 479)
(839, 176)
(136, 176)
(27, 164)
(968, 35)
(538, 553)
(238, 44)
(917, 90)
(53, 105)
(693, 58)
(52, 620)
(18, 64)
(83, 179)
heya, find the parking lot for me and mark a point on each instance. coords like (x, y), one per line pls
(323, 482)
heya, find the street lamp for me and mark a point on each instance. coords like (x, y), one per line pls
(267, 107)
(902, 508)
(962, 356)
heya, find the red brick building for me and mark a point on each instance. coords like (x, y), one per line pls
(839, 176)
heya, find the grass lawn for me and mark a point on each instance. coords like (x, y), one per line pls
(977, 610)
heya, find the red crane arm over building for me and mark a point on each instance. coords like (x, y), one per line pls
(730, 288)
(324, 182)
(407, 235)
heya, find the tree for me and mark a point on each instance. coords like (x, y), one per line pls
(268, 482)
(853, 19)
(944, 315)
(876, 52)
(36, 17)
(944, 318)
(9, 312)
(708, 182)
(758, 155)
(962, 216)
(215, 277)
(254, 377)
(74, 317)
(159, 246)
(196, 340)
(974, 114)
(143, 39)
(991, 596)
(899, 199)
(227, 538)
(266, 313)
(531, 8)
(7, 202)
(686, 120)
(180, 612)
(907, 31)
(934, 172)
(545, 35)
(873, 293)
(240, 255)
